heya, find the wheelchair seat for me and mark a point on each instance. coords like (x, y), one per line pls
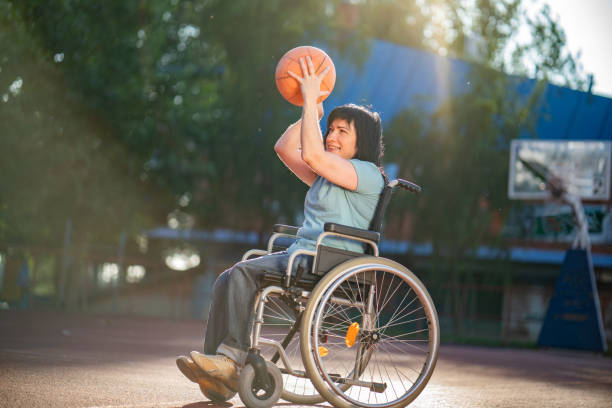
(327, 257)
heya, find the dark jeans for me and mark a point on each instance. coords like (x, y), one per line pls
(232, 310)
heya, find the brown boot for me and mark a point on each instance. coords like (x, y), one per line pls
(212, 389)
(219, 367)
(188, 368)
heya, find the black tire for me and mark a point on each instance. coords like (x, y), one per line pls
(251, 396)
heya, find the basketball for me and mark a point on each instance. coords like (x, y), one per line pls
(289, 87)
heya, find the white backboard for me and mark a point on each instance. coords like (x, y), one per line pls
(583, 165)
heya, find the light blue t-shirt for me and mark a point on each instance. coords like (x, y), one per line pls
(327, 202)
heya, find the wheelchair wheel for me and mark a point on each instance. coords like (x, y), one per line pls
(252, 394)
(380, 332)
(279, 323)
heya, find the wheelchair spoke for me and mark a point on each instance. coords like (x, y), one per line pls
(335, 310)
(398, 311)
(379, 364)
(409, 334)
(398, 349)
(341, 325)
(403, 322)
(389, 296)
(397, 321)
(280, 309)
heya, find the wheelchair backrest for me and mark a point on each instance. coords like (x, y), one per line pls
(383, 201)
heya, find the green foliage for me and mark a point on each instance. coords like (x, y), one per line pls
(60, 155)
(399, 22)
(116, 113)
(251, 181)
(548, 52)
(124, 108)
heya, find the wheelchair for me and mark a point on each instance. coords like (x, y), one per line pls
(358, 330)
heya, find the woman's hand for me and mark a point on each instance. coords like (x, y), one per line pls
(310, 82)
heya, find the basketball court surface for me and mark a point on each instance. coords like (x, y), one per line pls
(51, 359)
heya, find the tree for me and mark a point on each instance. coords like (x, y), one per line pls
(176, 100)
(62, 157)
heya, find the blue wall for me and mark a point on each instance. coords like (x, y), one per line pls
(394, 78)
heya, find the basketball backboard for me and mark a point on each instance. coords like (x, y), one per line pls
(583, 166)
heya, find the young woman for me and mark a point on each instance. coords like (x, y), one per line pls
(343, 170)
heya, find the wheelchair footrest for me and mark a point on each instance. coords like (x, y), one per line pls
(373, 386)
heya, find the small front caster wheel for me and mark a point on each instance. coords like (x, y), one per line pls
(252, 391)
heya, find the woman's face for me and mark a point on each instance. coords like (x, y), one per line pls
(342, 139)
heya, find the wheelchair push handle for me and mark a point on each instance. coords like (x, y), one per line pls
(406, 185)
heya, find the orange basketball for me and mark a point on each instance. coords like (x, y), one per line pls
(289, 87)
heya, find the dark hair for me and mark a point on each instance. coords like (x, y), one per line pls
(368, 127)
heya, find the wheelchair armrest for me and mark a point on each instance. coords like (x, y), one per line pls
(285, 229)
(281, 231)
(352, 231)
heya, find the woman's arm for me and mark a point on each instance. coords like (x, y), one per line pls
(288, 149)
(330, 166)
